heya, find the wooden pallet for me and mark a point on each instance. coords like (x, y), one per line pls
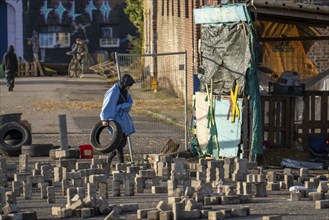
(105, 69)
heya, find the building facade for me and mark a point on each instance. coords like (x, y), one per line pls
(101, 23)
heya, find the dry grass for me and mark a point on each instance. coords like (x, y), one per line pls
(51, 105)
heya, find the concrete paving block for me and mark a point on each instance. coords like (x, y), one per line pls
(115, 213)
(86, 213)
(153, 215)
(147, 173)
(326, 195)
(272, 217)
(163, 206)
(322, 204)
(314, 196)
(103, 206)
(172, 200)
(245, 198)
(189, 191)
(190, 205)
(225, 200)
(30, 215)
(77, 205)
(295, 196)
(10, 208)
(322, 187)
(215, 215)
(10, 197)
(142, 213)
(178, 210)
(159, 189)
(271, 176)
(193, 214)
(129, 207)
(240, 212)
(199, 196)
(89, 201)
(226, 212)
(271, 186)
(215, 200)
(15, 216)
(166, 215)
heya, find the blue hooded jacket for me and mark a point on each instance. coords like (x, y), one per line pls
(117, 103)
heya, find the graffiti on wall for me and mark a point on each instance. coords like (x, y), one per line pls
(60, 10)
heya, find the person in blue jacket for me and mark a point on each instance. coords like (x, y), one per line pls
(116, 106)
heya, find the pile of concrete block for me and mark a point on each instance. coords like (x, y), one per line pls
(190, 187)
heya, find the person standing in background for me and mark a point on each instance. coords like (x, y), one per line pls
(10, 67)
(35, 49)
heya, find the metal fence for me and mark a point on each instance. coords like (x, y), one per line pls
(160, 99)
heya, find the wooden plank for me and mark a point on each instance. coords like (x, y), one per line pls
(289, 120)
(277, 120)
(280, 39)
(324, 112)
(271, 121)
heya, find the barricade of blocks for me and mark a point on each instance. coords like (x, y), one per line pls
(85, 186)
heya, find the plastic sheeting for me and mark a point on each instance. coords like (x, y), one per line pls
(300, 164)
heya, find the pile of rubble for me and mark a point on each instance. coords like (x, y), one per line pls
(190, 187)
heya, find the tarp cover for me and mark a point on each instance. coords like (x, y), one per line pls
(225, 55)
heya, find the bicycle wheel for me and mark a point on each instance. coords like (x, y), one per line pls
(79, 71)
(71, 70)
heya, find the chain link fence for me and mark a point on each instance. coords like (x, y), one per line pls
(160, 101)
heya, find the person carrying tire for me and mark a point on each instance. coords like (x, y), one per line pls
(10, 67)
(116, 106)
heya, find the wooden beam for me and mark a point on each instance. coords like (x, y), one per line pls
(290, 16)
(272, 39)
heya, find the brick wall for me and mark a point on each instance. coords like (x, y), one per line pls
(176, 32)
(319, 52)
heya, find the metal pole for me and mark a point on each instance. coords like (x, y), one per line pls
(118, 65)
(130, 150)
(185, 101)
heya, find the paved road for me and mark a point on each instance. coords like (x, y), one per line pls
(42, 99)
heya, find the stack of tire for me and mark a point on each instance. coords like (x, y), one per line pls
(13, 134)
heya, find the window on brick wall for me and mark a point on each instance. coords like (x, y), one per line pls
(178, 8)
(54, 40)
(168, 7)
(186, 8)
(172, 8)
(162, 8)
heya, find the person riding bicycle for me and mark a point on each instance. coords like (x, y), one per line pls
(80, 52)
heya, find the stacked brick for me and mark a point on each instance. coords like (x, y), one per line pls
(190, 187)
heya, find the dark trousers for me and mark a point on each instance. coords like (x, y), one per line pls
(119, 150)
(10, 78)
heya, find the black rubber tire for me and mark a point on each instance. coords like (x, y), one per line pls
(113, 142)
(38, 150)
(12, 129)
